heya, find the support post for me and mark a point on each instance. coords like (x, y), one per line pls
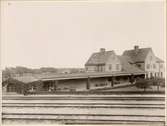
(55, 85)
(112, 81)
(132, 79)
(88, 83)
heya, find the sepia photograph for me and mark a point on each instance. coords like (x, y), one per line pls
(100, 62)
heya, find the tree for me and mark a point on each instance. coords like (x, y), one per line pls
(160, 82)
(22, 70)
(132, 79)
(48, 69)
(6, 73)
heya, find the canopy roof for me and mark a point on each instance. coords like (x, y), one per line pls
(86, 75)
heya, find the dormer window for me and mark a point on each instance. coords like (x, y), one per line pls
(139, 65)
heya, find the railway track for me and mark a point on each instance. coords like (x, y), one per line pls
(85, 109)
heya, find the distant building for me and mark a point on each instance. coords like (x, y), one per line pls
(103, 61)
(145, 59)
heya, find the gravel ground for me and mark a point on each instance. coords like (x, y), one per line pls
(66, 110)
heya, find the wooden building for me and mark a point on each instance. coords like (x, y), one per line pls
(145, 59)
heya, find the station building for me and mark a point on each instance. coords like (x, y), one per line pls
(104, 69)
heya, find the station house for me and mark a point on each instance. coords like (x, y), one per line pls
(104, 69)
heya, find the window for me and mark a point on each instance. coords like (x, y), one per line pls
(96, 68)
(117, 66)
(100, 68)
(100, 84)
(161, 74)
(139, 65)
(148, 66)
(154, 66)
(110, 67)
(103, 68)
(151, 58)
(113, 57)
(161, 66)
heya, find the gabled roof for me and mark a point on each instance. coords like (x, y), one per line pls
(99, 58)
(128, 59)
(140, 56)
(126, 66)
(159, 60)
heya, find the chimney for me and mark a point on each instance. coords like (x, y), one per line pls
(102, 50)
(136, 48)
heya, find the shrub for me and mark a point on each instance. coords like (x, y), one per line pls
(158, 82)
(142, 83)
(162, 82)
(146, 83)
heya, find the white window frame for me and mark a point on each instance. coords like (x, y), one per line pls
(117, 66)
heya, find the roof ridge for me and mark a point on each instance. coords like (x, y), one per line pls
(139, 56)
(99, 57)
(105, 51)
(139, 49)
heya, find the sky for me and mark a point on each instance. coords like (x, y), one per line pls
(64, 34)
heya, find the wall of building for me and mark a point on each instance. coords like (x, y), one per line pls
(160, 69)
(110, 65)
(80, 84)
(91, 68)
(113, 61)
(96, 83)
(67, 85)
(150, 65)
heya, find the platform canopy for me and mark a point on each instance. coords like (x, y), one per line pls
(50, 77)
(86, 75)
